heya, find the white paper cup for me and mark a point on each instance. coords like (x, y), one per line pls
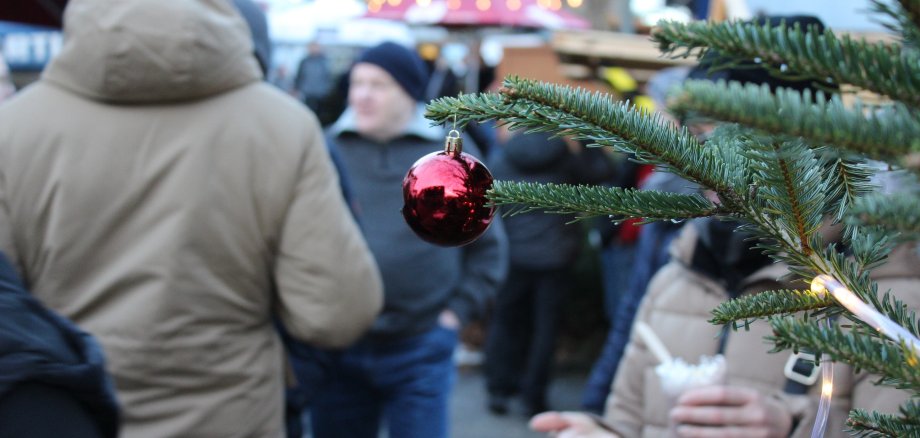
(677, 376)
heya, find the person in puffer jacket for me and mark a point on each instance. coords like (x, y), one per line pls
(711, 264)
(543, 248)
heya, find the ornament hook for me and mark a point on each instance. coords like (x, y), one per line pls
(453, 144)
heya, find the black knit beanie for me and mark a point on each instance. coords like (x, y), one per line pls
(751, 73)
(406, 67)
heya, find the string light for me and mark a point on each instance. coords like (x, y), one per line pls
(827, 391)
(394, 2)
(555, 5)
(453, 4)
(574, 3)
(823, 284)
(483, 5)
(543, 3)
(375, 5)
(513, 5)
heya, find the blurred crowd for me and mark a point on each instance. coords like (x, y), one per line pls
(190, 249)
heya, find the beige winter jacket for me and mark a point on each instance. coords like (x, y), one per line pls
(678, 306)
(156, 192)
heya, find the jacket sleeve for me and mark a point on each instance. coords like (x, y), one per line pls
(627, 399)
(599, 384)
(485, 266)
(7, 246)
(329, 288)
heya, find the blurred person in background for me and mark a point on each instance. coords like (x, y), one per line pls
(402, 372)
(711, 263)
(171, 203)
(53, 381)
(650, 254)
(313, 80)
(543, 248)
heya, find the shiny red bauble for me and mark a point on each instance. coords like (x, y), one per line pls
(445, 198)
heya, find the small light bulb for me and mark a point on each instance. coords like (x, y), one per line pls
(817, 286)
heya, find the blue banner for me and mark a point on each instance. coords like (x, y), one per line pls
(26, 47)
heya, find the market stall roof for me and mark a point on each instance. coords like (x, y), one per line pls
(457, 13)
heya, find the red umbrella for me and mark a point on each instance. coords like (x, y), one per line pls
(509, 13)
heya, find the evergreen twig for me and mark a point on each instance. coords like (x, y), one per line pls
(884, 358)
(590, 201)
(875, 425)
(795, 53)
(884, 133)
(593, 118)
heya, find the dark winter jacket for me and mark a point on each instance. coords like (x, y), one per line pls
(538, 240)
(314, 79)
(39, 346)
(420, 279)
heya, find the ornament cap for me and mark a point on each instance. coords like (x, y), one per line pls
(453, 144)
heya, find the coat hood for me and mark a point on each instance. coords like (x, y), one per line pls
(147, 51)
(716, 249)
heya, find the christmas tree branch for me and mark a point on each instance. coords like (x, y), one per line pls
(849, 181)
(853, 273)
(873, 424)
(593, 118)
(883, 358)
(792, 187)
(882, 134)
(898, 214)
(769, 303)
(906, 16)
(879, 67)
(590, 201)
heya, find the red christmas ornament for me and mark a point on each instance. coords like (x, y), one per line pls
(445, 195)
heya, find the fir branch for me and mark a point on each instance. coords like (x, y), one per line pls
(768, 303)
(793, 53)
(794, 203)
(792, 187)
(870, 246)
(727, 143)
(866, 424)
(848, 182)
(898, 214)
(906, 16)
(883, 134)
(590, 201)
(594, 118)
(856, 277)
(863, 352)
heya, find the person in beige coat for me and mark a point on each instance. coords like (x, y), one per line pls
(154, 190)
(752, 400)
